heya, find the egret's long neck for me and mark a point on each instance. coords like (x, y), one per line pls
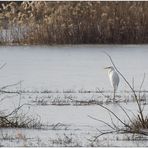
(110, 70)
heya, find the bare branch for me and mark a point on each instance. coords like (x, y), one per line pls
(10, 85)
(126, 114)
(135, 96)
(113, 122)
(16, 109)
(1, 67)
(102, 93)
(140, 89)
(133, 84)
(142, 82)
(103, 133)
(126, 125)
(6, 97)
(101, 121)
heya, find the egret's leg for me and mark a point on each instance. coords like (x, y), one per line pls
(114, 95)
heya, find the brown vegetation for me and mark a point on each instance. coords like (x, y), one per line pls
(76, 22)
(18, 120)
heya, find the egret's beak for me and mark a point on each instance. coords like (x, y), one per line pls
(106, 68)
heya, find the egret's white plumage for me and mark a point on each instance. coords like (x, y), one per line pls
(114, 78)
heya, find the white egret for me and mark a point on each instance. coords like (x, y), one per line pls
(114, 78)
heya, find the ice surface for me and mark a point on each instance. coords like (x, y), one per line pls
(72, 67)
(57, 74)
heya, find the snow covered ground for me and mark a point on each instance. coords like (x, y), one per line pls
(69, 124)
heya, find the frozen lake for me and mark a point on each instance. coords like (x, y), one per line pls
(72, 67)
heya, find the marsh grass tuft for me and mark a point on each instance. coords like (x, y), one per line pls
(19, 120)
(138, 127)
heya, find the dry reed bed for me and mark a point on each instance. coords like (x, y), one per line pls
(75, 22)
